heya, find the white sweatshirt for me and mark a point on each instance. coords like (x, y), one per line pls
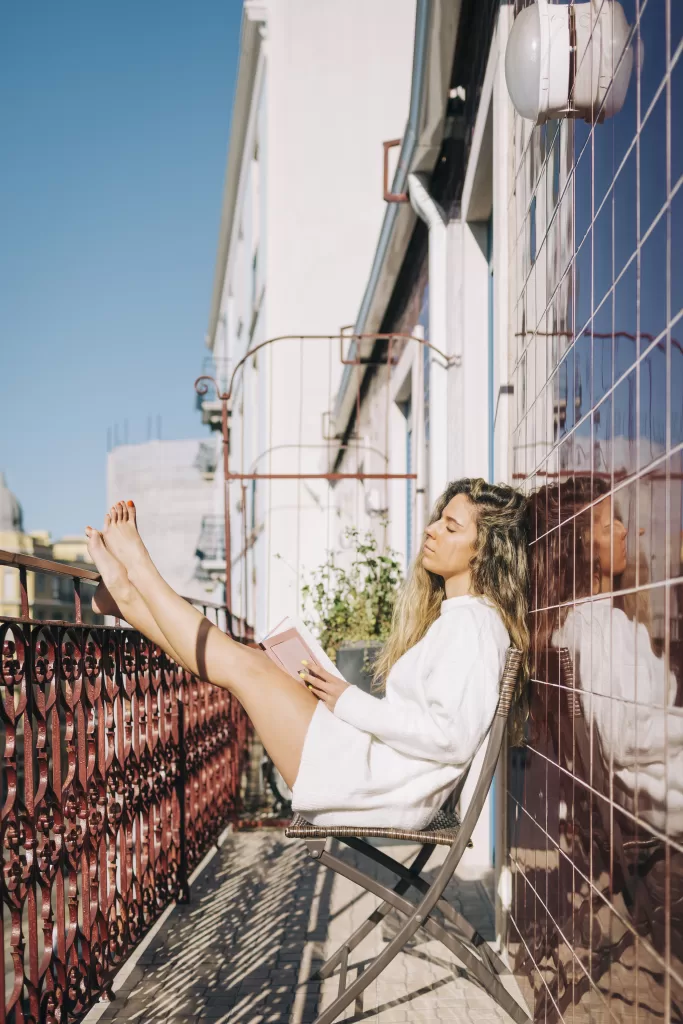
(391, 761)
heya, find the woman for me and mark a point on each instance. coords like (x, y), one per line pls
(350, 757)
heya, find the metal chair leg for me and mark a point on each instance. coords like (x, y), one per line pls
(480, 970)
(410, 877)
(330, 1013)
(414, 921)
(342, 970)
(377, 916)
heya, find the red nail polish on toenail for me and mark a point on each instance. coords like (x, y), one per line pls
(129, 504)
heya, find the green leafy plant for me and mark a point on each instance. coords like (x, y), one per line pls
(355, 603)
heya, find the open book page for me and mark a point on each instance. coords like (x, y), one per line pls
(292, 650)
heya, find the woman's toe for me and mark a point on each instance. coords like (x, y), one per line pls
(107, 521)
(130, 508)
(95, 542)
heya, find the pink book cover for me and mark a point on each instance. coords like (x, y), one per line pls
(290, 642)
(288, 650)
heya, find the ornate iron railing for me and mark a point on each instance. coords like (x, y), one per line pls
(119, 770)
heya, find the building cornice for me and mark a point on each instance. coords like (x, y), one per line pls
(254, 18)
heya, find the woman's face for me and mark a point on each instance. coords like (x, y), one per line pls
(450, 543)
(606, 525)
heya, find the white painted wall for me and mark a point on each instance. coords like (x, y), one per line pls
(438, 416)
(474, 453)
(503, 151)
(455, 379)
(467, 413)
(339, 86)
(471, 446)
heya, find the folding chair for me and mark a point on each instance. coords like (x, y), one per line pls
(460, 937)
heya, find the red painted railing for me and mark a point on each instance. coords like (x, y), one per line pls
(119, 770)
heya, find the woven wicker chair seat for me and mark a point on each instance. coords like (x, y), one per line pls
(441, 831)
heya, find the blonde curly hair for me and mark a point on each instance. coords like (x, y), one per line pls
(500, 572)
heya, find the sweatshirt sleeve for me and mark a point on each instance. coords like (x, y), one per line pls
(461, 682)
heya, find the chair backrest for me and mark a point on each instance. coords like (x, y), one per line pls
(494, 743)
(494, 739)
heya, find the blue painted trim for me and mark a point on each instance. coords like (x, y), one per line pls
(489, 252)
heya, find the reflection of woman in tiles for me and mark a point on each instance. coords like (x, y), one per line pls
(627, 690)
(628, 694)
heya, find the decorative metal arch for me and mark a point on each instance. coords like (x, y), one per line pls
(202, 383)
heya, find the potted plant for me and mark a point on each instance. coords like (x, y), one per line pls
(350, 609)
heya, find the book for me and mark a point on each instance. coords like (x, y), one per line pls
(290, 642)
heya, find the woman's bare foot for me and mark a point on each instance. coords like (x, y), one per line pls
(103, 603)
(115, 584)
(121, 536)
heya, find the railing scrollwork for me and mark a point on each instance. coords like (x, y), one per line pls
(118, 771)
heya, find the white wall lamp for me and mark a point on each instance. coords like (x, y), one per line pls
(562, 60)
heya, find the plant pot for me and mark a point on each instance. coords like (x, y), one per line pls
(356, 659)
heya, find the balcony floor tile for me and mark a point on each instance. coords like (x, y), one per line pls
(262, 914)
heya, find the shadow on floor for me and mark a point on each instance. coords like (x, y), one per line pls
(242, 950)
(234, 953)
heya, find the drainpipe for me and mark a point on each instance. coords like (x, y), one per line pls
(434, 217)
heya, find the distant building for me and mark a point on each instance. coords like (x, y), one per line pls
(71, 549)
(49, 597)
(171, 485)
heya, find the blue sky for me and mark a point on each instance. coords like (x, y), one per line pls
(115, 121)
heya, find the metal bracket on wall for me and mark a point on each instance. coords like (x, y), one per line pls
(504, 389)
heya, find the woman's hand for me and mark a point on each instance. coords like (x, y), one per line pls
(324, 685)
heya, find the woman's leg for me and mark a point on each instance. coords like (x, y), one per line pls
(279, 707)
(136, 611)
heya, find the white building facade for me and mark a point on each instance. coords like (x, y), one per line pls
(320, 87)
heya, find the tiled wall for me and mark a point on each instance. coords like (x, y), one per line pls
(595, 800)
